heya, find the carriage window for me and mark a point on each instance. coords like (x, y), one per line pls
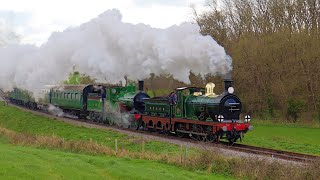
(76, 96)
(71, 96)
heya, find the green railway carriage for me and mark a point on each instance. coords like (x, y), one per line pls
(67, 97)
(78, 100)
(22, 97)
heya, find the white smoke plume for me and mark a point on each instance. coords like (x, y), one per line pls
(55, 110)
(120, 119)
(108, 49)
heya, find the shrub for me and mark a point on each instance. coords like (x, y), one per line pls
(294, 108)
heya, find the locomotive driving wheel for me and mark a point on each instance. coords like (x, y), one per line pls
(166, 131)
(180, 127)
(198, 133)
(232, 137)
(210, 136)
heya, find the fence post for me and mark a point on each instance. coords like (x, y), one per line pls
(142, 148)
(116, 145)
(185, 155)
(181, 154)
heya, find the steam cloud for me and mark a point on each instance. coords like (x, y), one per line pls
(108, 49)
(55, 110)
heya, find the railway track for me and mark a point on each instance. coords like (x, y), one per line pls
(279, 154)
(266, 152)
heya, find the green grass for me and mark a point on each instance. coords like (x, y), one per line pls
(289, 137)
(26, 122)
(18, 162)
(39, 163)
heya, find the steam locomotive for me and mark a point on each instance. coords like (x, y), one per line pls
(188, 111)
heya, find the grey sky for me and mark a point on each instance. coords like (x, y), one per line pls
(35, 20)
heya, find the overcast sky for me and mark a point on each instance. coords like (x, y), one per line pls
(35, 20)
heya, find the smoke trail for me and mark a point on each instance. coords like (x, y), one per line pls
(107, 49)
(55, 110)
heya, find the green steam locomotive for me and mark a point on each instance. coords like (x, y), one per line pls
(192, 111)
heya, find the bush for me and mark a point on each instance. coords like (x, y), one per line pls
(294, 108)
(150, 93)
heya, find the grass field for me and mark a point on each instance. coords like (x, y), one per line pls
(289, 137)
(27, 122)
(18, 162)
(47, 139)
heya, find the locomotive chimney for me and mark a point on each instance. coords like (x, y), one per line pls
(140, 85)
(227, 84)
(126, 78)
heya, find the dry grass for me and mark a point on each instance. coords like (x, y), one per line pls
(210, 161)
(53, 142)
(253, 168)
